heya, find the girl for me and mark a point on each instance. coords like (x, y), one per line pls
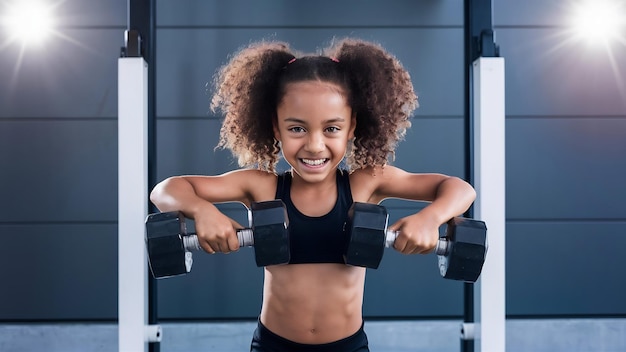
(351, 104)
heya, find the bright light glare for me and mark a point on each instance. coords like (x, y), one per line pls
(29, 21)
(599, 21)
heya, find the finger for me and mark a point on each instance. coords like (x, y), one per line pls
(219, 243)
(235, 224)
(401, 244)
(229, 242)
(421, 250)
(417, 247)
(207, 247)
(222, 247)
(233, 242)
(409, 248)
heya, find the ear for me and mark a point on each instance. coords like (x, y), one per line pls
(352, 126)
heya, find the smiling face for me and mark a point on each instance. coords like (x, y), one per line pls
(314, 124)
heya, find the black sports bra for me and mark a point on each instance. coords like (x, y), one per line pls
(317, 239)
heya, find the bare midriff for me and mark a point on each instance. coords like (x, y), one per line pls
(313, 303)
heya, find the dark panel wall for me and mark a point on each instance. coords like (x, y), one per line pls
(566, 141)
(58, 167)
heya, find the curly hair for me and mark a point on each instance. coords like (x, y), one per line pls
(251, 85)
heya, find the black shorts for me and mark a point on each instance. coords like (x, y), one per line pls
(264, 340)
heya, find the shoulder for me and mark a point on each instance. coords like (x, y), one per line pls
(375, 184)
(244, 185)
(366, 182)
(259, 185)
(389, 181)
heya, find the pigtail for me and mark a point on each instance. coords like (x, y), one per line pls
(382, 97)
(245, 92)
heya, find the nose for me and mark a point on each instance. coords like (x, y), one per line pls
(315, 143)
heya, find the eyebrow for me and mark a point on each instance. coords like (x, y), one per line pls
(297, 120)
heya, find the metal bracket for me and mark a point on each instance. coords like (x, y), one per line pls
(479, 34)
(132, 44)
(487, 46)
(468, 331)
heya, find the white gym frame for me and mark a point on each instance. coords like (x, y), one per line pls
(134, 333)
(488, 99)
(488, 330)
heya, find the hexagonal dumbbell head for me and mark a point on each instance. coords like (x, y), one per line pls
(166, 252)
(366, 226)
(270, 228)
(467, 248)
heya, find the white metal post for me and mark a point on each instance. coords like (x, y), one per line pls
(134, 333)
(489, 181)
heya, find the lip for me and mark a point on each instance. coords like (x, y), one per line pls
(313, 166)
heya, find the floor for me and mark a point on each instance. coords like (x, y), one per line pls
(553, 335)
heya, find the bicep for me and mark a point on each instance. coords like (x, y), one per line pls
(234, 186)
(397, 183)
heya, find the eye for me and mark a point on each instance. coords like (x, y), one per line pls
(296, 129)
(332, 129)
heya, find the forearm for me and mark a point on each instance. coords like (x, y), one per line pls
(454, 196)
(178, 194)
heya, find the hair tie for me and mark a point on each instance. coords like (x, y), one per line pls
(334, 59)
(291, 61)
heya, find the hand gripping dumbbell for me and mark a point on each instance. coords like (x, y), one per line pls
(461, 252)
(169, 245)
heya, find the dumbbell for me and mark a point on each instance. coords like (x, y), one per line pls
(169, 245)
(461, 252)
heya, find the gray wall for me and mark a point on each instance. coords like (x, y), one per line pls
(566, 141)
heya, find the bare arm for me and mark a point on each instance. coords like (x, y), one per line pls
(195, 197)
(452, 197)
(449, 196)
(178, 194)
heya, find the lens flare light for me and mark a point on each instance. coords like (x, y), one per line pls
(601, 24)
(599, 21)
(30, 22)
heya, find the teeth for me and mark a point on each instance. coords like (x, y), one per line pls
(313, 162)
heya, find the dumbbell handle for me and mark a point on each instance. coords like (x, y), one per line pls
(440, 249)
(245, 237)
